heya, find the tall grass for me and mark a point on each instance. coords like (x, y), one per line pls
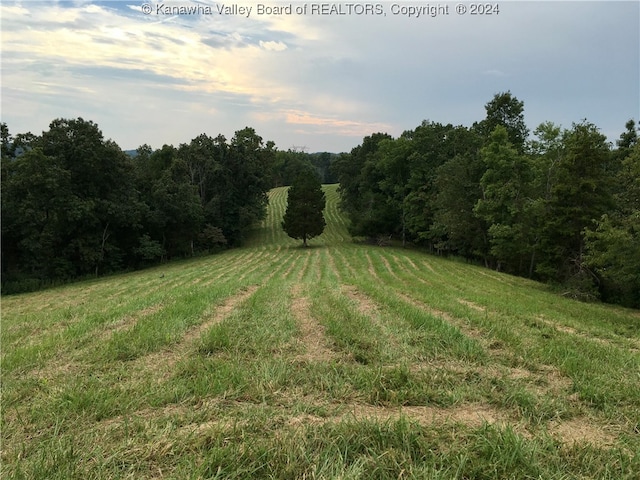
(340, 360)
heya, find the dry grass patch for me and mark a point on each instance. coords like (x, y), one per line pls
(58, 368)
(370, 268)
(472, 305)
(581, 430)
(556, 382)
(572, 331)
(471, 415)
(312, 333)
(128, 321)
(364, 303)
(162, 362)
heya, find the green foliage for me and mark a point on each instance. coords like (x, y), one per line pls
(149, 250)
(507, 111)
(72, 208)
(506, 202)
(74, 204)
(613, 245)
(360, 195)
(305, 202)
(459, 230)
(288, 165)
(488, 194)
(580, 192)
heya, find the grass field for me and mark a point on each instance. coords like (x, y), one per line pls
(341, 360)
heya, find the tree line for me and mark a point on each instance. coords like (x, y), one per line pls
(75, 204)
(561, 206)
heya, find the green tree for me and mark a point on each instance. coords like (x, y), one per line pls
(37, 207)
(361, 198)
(580, 192)
(456, 228)
(545, 154)
(6, 145)
(459, 229)
(104, 213)
(178, 209)
(613, 252)
(393, 165)
(288, 165)
(505, 201)
(613, 243)
(628, 139)
(506, 110)
(303, 219)
(322, 162)
(432, 145)
(246, 176)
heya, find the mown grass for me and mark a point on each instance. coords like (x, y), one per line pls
(341, 360)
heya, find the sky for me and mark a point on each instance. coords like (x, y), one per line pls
(311, 75)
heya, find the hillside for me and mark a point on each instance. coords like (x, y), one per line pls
(340, 360)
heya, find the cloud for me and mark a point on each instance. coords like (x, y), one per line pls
(273, 46)
(325, 77)
(335, 125)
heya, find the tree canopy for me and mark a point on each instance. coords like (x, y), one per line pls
(303, 218)
(74, 204)
(559, 207)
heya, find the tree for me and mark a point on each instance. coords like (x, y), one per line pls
(628, 138)
(506, 110)
(613, 246)
(613, 253)
(456, 229)
(6, 145)
(305, 202)
(581, 192)
(246, 168)
(504, 203)
(37, 204)
(102, 217)
(288, 165)
(360, 195)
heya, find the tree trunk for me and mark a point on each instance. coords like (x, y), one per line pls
(532, 263)
(105, 236)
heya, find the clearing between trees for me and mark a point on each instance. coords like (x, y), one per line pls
(341, 360)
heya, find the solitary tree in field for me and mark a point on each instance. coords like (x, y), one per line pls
(305, 203)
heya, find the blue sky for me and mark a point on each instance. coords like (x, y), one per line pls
(318, 81)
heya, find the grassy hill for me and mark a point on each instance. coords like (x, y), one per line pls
(336, 361)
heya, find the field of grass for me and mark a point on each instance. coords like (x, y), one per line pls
(342, 360)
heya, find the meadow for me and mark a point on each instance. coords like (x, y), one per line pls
(341, 360)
